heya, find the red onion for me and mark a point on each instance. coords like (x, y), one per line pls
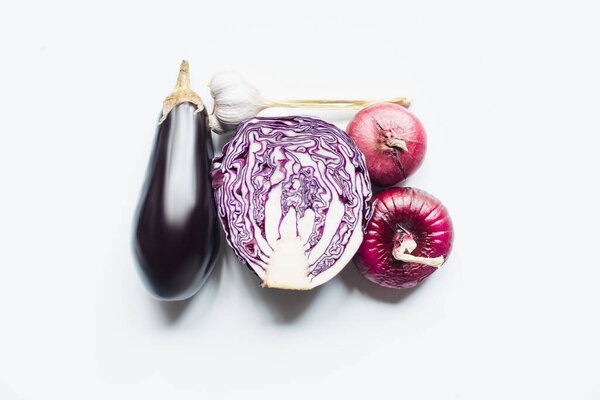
(392, 140)
(408, 237)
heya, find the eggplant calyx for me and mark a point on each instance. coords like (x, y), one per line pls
(182, 93)
(404, 244)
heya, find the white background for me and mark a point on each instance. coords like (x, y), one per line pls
(508, 93)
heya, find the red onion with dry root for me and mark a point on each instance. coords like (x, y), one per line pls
(392, 139)
(408, 238)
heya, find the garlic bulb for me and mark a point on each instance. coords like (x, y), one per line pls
(236, 100)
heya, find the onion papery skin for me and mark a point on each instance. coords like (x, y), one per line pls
(176, 234)
(420, 214)
(375, 129)
(292, 195)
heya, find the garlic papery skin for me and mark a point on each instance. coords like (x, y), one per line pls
(235, 101)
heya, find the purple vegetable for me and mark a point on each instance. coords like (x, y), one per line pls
(392, 139)
(292, 194)
(176, 235)
(408, 237)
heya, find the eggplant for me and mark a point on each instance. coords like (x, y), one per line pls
(176, 234)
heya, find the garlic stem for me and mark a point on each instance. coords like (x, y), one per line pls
(237, 100)
(402, 253)
(337, 104)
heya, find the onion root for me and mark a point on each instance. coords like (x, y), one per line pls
(407, 245)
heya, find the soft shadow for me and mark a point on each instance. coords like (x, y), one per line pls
(172, 310)
(285, 305)
(219, 140)
(336, 117)
(405, 183)
(354, 280)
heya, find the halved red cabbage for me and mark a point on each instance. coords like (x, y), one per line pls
(292, 194)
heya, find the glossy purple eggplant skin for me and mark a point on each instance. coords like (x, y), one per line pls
(176, 236)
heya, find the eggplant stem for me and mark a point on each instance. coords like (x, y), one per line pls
(183, 79)
(338, 104)
(182, 93)
(402, 253)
